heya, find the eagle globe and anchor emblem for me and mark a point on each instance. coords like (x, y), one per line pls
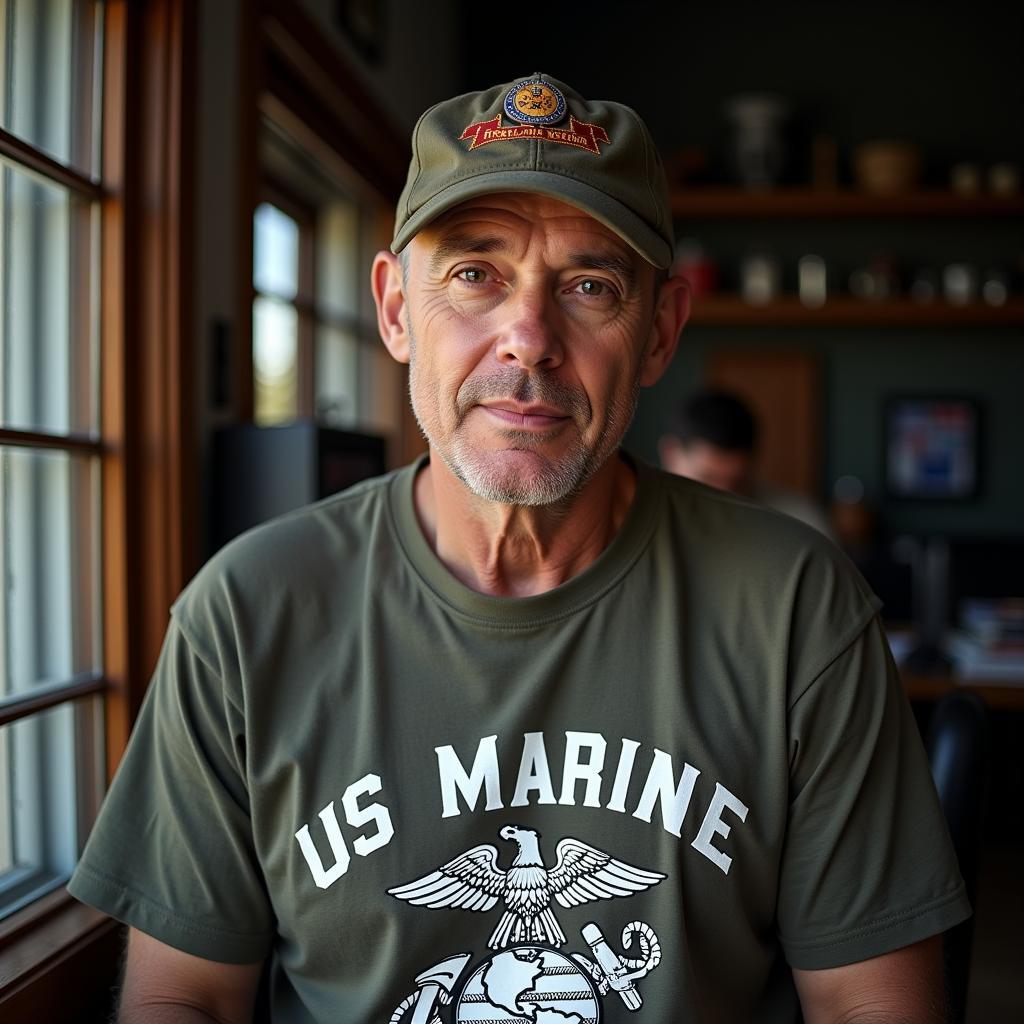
(526, 977)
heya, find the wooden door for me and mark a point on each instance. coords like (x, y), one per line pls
(783, 390)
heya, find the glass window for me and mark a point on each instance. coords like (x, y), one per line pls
(337, 377)
(48, 379)
(340, 344)
(275, 252)
(50, 455)
(275, 360)
(276, 317)
(316, 351)
(339, 274)
(48, 770)
(381, 389)
(50, 53)
(49, 548)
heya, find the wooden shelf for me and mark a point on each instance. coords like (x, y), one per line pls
(732, 311)
(707, 202)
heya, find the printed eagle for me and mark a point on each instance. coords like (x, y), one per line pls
(473, 881)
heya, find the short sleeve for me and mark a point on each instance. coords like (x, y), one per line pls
(172, 852)
(868, 866)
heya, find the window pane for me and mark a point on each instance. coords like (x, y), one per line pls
(49, 70)
(48, 376)
(381, 390)
(337, 377)
(339, 261)
(49, 769)
(49, 542)
(275, 252)
(275, 361)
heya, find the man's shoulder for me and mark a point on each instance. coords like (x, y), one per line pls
(315, 546)
(324, 528)
(721, 517)
(744, 559)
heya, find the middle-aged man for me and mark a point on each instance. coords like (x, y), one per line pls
(528, 730)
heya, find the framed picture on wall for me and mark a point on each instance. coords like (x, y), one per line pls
(932, 448)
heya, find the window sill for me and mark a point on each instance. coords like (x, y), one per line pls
(58, 961)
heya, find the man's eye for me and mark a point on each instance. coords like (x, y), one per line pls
(591, 286)
(473, 275)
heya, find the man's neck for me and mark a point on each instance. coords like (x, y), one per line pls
(515, 550)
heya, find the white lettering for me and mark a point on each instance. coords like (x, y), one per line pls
(713, 825)
(357, 817)
(325, 877)
(484, 775)
(574, 770)
(623, 773)
(674, 799)
(534, 772)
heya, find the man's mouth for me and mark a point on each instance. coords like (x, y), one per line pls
(525, 416)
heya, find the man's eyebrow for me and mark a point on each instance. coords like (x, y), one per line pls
(465, 245)
(605, 261)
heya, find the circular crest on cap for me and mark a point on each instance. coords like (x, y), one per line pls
(534, 101)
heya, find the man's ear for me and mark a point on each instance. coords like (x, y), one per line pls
(671, 311)
(386, 281)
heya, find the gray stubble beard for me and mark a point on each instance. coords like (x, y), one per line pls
(555, 483)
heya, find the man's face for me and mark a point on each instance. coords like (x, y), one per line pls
(528, 321)
(728, 469)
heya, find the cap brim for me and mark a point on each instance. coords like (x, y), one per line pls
(637, 233)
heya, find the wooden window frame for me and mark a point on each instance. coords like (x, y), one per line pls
(293, 77)
(147, 447)
(146, 444)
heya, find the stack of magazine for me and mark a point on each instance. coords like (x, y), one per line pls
(990, 642)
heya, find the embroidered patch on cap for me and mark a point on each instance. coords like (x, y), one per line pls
(537, 104)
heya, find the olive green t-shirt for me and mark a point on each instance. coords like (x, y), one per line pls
(643, 795)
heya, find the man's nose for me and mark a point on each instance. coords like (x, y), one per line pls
(530, 336)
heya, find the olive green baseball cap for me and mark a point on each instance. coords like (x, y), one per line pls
(537, 134)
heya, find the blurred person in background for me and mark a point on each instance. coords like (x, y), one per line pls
(713, 439)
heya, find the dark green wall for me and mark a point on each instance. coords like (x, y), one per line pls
(860, 369)
(945, 75)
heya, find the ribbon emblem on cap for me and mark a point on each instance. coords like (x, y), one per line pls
(580, 134)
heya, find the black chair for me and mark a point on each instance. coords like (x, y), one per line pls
(958, 751)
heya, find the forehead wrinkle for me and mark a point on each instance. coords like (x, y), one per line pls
(605, 261)
(465, 245)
